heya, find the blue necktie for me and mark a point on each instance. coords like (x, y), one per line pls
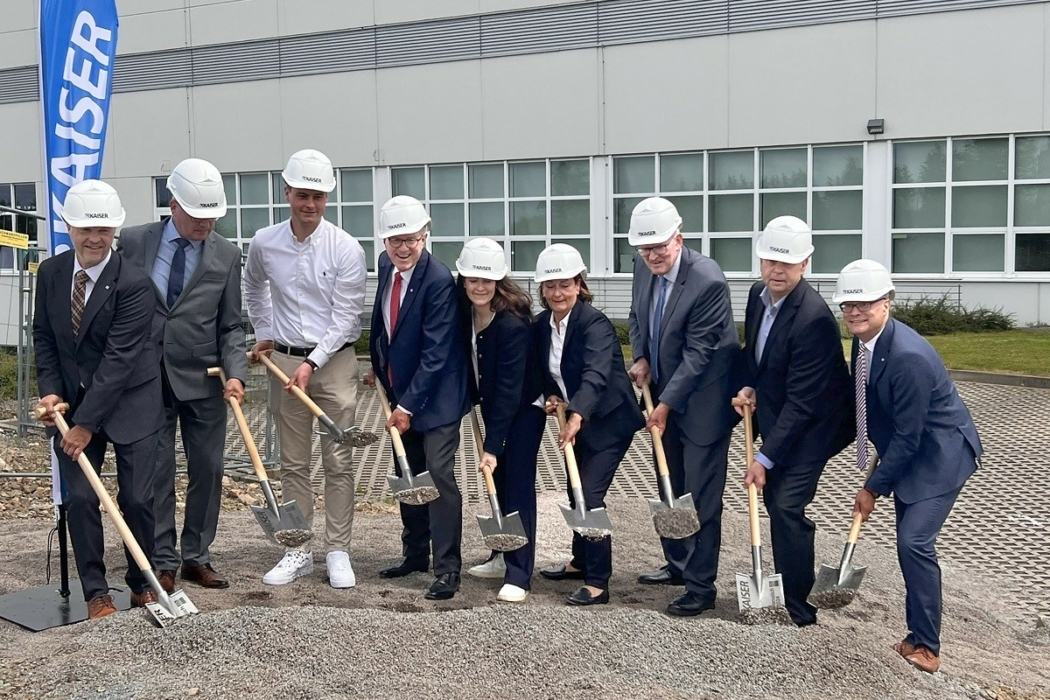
(178, 271)
(658, 317)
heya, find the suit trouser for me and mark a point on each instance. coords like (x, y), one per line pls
(918, 525)
(516, 488)
(597, 469)
(334, 389)
(135, 479)
(789, 489)
(437, 525)
(203, 423)
(699, 470)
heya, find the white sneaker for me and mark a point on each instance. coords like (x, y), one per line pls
(511, 594)
(340, 573)
(295, 563)
(493, 568)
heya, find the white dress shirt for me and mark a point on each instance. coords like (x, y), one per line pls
(557, 346)
(308, 294)
(406, 277)
(93, 273)
(869, 348)
(671, 276)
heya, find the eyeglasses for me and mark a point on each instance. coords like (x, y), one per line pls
(396, 243)
(861, 306)
(649, 251)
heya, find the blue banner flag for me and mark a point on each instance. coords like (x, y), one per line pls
(78, 41)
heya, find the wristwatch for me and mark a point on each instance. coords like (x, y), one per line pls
(313, 365)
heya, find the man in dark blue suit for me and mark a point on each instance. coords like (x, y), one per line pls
(909, 407)
(685, 347)
(418, 357)
(795, 371)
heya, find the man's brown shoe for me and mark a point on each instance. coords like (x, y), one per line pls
(204, 575)
(924, 659)
(904, 647)
(139, 600)
(167, 580)
(100, 606)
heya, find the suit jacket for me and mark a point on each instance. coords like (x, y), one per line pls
(805, 410)
(203, 328)
(919, 424)
(593, 370)
(699, 346)
(425, 354)
(508, 378)
(109, 373)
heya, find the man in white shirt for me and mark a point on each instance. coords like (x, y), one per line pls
(304, 284)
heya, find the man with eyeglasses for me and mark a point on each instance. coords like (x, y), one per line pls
(795, 376)
(304, 284)
(418, 358)
(908, 406)
(685, 346)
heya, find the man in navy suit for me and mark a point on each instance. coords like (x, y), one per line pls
(418, 357)
(795, 371)
(685, 346)
(91, 335)
(909, 407)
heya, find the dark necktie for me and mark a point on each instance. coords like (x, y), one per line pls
(77, 303)
(176, 278)
(654, 342)
(860, 387)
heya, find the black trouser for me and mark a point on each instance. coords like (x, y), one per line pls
(597, 469)
(439, 524)
(135, 477)
(515, 478)
(789, 489)
(699, 470)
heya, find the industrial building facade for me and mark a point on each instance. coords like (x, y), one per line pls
(534, 122)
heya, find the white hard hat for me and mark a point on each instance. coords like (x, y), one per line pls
(484, 258)
(309, 170)
(559, 262)
(197, 186)
(653, 221)
(402, 215)
(862, 280)
(93, 203)
(785, 239)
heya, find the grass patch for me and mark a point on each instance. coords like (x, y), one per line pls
(1012, 352)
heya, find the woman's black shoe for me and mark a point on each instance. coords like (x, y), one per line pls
(583, 596)
(560, 573)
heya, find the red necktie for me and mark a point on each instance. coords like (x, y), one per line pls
(395, 306)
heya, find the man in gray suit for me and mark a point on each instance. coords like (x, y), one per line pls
(197, 279)
(685, 346)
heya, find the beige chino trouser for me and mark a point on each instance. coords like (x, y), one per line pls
(334, 389)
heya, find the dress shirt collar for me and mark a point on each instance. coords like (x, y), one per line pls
(93, 272)
(672, 274)
(406, 276)
(559, 328)
(870, 345)
(171, 233)
(771, 308)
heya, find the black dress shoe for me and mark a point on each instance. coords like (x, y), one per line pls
(661, 577)
(582, 596)
(560, 573)
(443, 588)
(689, 604)
(404, 568)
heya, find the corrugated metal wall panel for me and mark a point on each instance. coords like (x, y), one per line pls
(630, 21)
(558, 28)
(896, 8)
(156, 71)
(349, 50)
(456, 39)
(19, 85)
(751, 15)
(233, 63)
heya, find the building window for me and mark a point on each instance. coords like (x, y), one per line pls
(523, 205)
(743, 191)
(21, 196)
(256, 200)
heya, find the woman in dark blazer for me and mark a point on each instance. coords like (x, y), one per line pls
(505, 382)
(582, 365)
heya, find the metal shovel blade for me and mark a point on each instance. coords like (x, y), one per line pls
(592, 524)
(169, 608)
(505, 534)
(676, 521)
(835, 587)
(413, 490)
(338, 435)
(286, 522)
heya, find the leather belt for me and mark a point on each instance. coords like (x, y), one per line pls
(301, 352)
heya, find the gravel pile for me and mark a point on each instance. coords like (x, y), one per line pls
(676, 523)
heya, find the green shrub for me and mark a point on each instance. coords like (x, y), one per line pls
(8, 375)
(940, 316)
(623, 332)
(361, 346)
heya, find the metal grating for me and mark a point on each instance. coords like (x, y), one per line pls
(434, 41)
(152, 71)
(231, 63)
(751, 15)
(632, 21)
(560, 28)
(335, 52)
(898, 8)
(19, 85)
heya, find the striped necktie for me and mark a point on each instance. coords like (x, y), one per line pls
(76, 304)
(861, 386)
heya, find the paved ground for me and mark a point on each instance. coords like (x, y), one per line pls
(998, 525)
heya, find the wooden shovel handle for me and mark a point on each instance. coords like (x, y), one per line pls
(395, 436)
(242, 423)
(658, 442)
(752, 491)
(854, 531)
(570, 453)
(299, 393)
(490, 485)
(100, 491)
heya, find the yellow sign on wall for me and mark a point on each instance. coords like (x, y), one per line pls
(32, 267)
(14, 240)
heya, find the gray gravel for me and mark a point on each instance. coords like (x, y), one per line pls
(676, 523)
(418, 496)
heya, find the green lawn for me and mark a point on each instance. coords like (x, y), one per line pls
(1015, 352)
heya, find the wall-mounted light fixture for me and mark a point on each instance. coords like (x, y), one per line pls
(876, 126)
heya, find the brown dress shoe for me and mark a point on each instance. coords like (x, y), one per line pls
(204, 575)
(100, 606)
(904, 647)
(139, 600)
(167, 580)
(924, 659)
